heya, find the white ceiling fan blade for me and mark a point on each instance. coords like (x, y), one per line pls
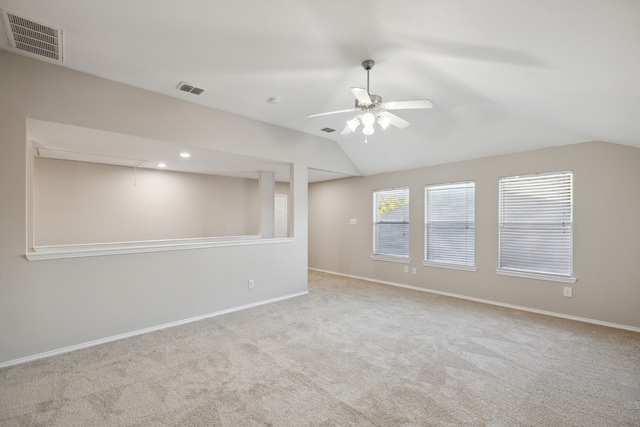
(395, 120)
(361, 95)
(350, 110)
(408, 105)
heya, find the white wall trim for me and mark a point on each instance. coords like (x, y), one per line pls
(389, 258)
(450, 266)
(485, 301)
(535, 276)
(143, 331)
(118, 248)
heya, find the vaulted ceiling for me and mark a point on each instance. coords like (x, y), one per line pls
(503, 75)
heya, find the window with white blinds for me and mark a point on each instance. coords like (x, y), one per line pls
(391, 223)
(449, 224)
(536, 224)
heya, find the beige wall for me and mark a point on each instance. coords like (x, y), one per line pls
(48, 305)
(79, 202)
(606, 239)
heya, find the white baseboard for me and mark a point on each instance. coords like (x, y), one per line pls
(142, 331)
(485, 301)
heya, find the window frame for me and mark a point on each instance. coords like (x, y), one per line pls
(428, 212)
(376, 254)
(549, 275)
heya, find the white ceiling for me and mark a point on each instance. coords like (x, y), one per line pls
(504, 76)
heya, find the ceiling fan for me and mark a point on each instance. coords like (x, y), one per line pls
(371, 109)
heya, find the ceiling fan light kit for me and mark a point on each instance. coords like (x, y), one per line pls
(372, 110)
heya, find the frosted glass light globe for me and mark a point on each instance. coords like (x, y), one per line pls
(368, 119)
(384, 122)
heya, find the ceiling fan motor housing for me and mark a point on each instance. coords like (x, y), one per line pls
(375, 101)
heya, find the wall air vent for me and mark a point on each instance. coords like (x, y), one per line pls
(186, 87)
(33, 38)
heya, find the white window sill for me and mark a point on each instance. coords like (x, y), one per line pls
(537, 276)
(388, 258)
(100, 249)
(450, 266)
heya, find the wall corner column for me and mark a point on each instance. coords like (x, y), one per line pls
(267, 185)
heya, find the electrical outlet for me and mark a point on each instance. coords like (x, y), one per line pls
(406, 269)
(568, 291)
(415, 270)
(251, 284)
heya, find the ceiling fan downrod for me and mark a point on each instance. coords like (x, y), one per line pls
(368, 65)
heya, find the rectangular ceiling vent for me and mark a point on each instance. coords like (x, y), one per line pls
(186, 87)
(33, 38)
(327, 130)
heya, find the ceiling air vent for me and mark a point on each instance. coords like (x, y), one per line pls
(186, 87)
(33, 38)
(327, 130)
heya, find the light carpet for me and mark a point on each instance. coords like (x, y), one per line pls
(350, 353)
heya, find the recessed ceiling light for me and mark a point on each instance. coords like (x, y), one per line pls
(185, 155)
(162, 165)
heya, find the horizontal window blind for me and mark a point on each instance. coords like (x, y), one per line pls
(536, 224)
(391, 222)
(450, 223)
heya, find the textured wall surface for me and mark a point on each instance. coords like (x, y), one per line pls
(49, 305)
(606, 231)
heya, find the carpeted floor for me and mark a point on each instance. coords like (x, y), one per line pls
(351, 353)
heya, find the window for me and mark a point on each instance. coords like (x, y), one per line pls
(536, 225)
(391, 223)
(449, 224)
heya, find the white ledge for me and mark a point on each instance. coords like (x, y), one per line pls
(562, 279)
(450, 266)
(117, 248)
(389, 258)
